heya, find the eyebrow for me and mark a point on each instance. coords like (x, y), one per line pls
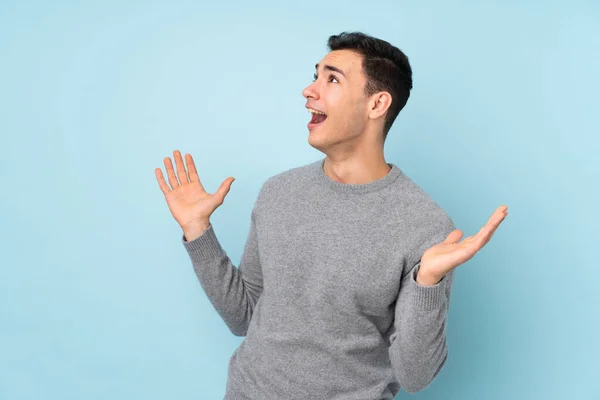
(331, 68)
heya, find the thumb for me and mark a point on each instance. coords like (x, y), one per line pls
(224, 188)
(454, 236)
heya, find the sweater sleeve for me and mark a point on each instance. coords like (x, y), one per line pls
(232, 291)
(418, 348)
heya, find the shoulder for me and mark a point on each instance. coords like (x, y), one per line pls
(425, 221)
(417, 205)
(288, 179)
(284, 182)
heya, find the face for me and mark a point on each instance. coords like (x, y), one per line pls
(338, 91)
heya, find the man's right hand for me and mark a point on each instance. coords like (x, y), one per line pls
(189, 203)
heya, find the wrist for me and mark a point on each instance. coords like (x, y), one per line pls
(194, 230)
(425, 278)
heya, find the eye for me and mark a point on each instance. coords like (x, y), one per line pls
(315, 77)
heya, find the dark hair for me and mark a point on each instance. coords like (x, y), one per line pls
(385, 66)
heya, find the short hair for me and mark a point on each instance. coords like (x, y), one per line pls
(386, 68)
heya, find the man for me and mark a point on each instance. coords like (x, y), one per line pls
(344, 284)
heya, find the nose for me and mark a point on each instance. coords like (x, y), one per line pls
(311, 91)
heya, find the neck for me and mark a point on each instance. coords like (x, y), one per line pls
(356, 168)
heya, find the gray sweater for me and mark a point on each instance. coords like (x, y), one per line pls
(325, 292)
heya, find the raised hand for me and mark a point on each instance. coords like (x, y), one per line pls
(441, 258)
(189, 203)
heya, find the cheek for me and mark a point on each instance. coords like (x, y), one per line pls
(343, 110)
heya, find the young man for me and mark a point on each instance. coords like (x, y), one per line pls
(344, 284)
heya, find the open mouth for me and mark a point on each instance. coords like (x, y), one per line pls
(318, 117)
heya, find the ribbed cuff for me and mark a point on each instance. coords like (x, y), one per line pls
(427, 297)
(205, 246)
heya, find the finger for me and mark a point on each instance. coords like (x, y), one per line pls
(497, 215)
(454, 236)
(170, 173)
(192, 170)
(488, 229)
(224, 188)
(485, 234)
(467, 241)
(161, 181)
(181, 172)
(494, 229)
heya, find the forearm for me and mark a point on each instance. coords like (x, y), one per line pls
(418, 347)
(232, 296)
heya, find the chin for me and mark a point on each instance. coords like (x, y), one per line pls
(317, 141)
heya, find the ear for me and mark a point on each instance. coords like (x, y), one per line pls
(379, 104)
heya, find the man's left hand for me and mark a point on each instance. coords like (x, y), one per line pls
(440, 259)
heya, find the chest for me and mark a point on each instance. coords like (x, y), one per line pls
(333, 265)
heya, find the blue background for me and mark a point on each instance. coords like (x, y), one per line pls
(98, 298)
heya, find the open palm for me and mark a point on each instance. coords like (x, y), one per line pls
(439, 259)
(187, 199)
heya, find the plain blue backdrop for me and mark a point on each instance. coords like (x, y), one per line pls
(98, 298)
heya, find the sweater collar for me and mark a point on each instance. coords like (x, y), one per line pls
(350, 188)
